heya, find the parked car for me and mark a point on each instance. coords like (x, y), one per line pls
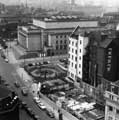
(6, 60)
(17, 84)
(50, 113)
(36, 99)
(41, 106)
(36, 117)
(46, 62)
(24, 91)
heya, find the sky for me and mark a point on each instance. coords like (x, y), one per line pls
(82, 2)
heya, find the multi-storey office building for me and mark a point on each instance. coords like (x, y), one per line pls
(9, 105)
(55, 30)
(93, 58)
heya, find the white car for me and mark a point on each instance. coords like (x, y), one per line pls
(6, 60)
(42, 106)
(37, 100)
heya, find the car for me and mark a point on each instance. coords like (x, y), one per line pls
(30, 112)
(50, 113)
(30, 64)
(6, 60)
(24, 91)
(36, 99)
(36, 117)
(46, 62)
(17, 84)
(41, 106)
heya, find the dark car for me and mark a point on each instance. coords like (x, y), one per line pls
(50, 113)
(17, 84)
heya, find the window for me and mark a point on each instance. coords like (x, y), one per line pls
(79, 72)
(60, 36)
(80, 58)
(110, 108)
(65, 47)
(75, 66)
(57, 42)
(65, 41)
(61, 47)
(75, 58)
(72, 43)
(56, 47)
(72, 50)
(80, 50)
(76, 44)
(72, 64)
(72, 57)
(117, 111)
(65, 36)
(61, 42)
(56, 36)
(80, 42)
(79, 65)
(75, 51)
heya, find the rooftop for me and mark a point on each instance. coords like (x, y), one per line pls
(66, 18)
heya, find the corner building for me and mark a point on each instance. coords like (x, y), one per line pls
(9, 104)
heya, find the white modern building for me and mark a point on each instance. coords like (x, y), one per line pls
(77, 44)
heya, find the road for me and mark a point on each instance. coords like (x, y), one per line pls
(7, 71)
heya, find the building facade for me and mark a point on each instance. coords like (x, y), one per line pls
(56, 29)
(9, 105)
(29, 37)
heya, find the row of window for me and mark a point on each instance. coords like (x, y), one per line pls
(61, 42)
(75, 50)
(72, 57)
(110, 108)
(75, 44)
(61, 36)
(61, 47)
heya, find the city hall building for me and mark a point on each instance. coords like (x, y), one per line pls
(53, 33)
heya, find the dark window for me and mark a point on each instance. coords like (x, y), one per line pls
(61, 42)
(61, 47)
(57, 42)
(56, 36)
(57, 47)
(65, 41)
(117, 111)
(110, 108)
(80, 42)
(75, 58)
(80, 50)
(75, 51)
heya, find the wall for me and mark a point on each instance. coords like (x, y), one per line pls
(68, 24)
(34, 42)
